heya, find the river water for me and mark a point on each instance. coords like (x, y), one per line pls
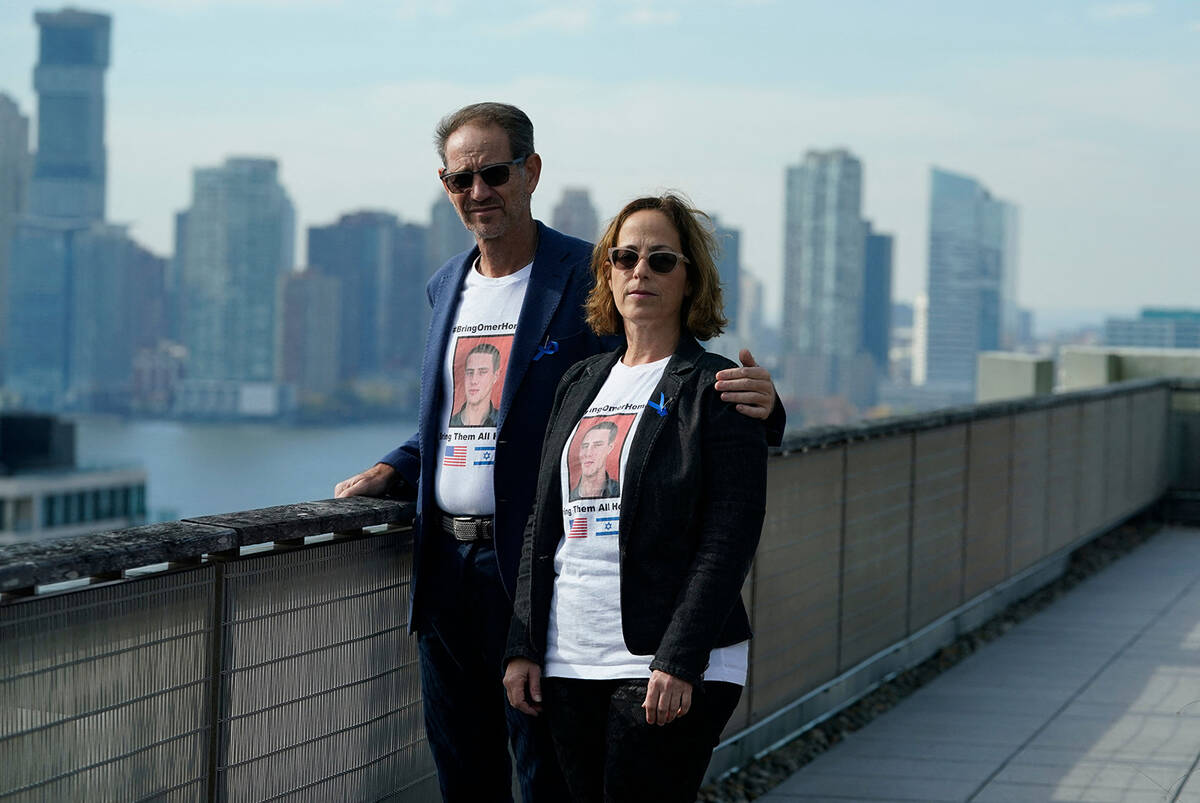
(198, 469)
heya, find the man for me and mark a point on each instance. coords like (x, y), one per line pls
(594, 480)
(526, 282)
(480, 373)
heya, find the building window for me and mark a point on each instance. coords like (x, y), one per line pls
(23, 514)
(71, 516)
(104, 504)
(97, 507)
(139, 501)
(3, 515)
(50, 510)
(123, 502)
(87, 512)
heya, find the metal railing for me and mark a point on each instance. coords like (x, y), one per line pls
(265, 655)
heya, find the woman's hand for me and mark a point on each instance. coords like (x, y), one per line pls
(667, 697)
(523, 682)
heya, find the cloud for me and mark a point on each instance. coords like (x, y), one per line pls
(1096, 153)
(407, 10)
(1115, 11)
(185, 6)
(648, 17)
(1195, 26)
(575, 19)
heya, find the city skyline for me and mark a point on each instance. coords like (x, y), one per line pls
(1059, 109)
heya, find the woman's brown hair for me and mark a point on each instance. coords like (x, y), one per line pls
(702, 313)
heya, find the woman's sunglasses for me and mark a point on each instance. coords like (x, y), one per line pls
(659, 261)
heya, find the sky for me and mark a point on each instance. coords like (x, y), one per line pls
(1084, 115)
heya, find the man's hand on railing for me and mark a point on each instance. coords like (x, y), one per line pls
(375, 481)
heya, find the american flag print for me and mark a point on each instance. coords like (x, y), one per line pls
(578, 528)
(455, 457)
(607, 525)
(485, 455)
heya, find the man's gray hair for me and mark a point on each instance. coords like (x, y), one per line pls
(514, 122)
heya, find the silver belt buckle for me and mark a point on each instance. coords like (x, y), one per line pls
(471, 528)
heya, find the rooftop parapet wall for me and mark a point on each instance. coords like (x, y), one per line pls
(1082, 367)
(270, 659)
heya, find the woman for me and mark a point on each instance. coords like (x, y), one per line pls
(629, 632)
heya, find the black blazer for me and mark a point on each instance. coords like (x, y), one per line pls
(692, 506)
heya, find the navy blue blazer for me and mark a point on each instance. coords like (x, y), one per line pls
(551, 317)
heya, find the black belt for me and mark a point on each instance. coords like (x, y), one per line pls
(468, 528)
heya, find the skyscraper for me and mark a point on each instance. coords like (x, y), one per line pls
(40, 291)
(407, 314)
(70, 170)
(575, 215)
(877, 299)
(76, 320)
(729, 267)
(750, 309)
(309, 340)
(238, 242)
(1157, 328)
(382, 265)
(823, 278)
(447, 235)
(920, 340)
(14, 192)
(972, 276)
(357, 251)
(116, 309)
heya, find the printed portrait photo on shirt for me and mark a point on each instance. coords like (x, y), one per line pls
(594, 456)
(479, 367)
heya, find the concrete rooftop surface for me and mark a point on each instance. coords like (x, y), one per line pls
(1096, 698)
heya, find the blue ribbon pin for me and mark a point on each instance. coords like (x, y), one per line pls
(661, 407)
(550, 347)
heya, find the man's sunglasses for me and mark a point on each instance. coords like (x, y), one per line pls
(659, 261)
(492, 175)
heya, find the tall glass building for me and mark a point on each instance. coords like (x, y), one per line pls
(729, 267)
(877, 299)
(823, 278)
(70, 170)
(14, 191)
(238, 244)
(972, 278)
(382, 267)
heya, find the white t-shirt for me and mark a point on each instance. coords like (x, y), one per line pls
(584, 639)
(473, 374)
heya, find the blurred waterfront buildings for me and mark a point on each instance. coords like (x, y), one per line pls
(382, 266)
(971, 281)
(238, 239)
(823, 263)
(729, 268)
(310, 336)
(447, 235)
(15, 165)
(877, 301)
(1155, 327)
(71, 168)
(575, 215)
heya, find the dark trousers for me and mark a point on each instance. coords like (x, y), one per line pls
(607, 751)
(468, 720)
